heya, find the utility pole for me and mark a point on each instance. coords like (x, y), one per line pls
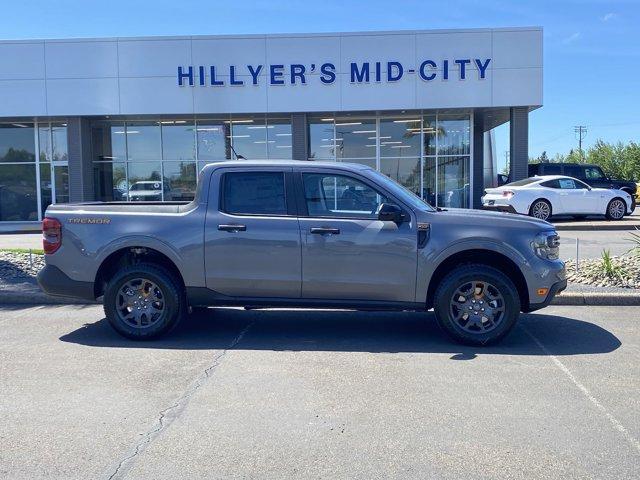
(581, 132)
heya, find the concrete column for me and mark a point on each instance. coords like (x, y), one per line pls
(477, 163)
(299, 140)
(80, 165)
(519, 143)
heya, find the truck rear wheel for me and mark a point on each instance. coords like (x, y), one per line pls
(143, 301)
(476, 304)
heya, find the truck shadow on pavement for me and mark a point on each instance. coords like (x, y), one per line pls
(348, 331)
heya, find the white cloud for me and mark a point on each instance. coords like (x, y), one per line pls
(609, 16)
(571, 38)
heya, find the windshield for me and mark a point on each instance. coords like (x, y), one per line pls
(522, 183)
(402, 193)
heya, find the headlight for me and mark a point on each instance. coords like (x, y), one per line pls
(546, 245)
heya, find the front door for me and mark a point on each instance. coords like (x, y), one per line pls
(576, 196)
(347, 253)
(252, 237)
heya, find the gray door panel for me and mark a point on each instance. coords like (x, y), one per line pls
(367, 260)
(251, 255)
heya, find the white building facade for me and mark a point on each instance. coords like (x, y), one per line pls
(133, 119)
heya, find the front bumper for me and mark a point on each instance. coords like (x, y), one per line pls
(555, 289)
(54, 281)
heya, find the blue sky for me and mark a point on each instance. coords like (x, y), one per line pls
(591, 47)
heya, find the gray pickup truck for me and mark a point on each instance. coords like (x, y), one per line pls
(301, 234)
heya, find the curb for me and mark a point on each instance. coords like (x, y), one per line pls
(597, 298)
(601, 227)
(566, 299)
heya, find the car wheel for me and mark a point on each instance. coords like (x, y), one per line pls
(143, 301)
(540, 209)
(476, 304)
(616, 209)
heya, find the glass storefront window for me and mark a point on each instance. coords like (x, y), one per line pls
(108, 141)
(429, 180)
(453, 134)
(405, 171)
(17, 142)
(429, 129)
(279, 139)
(399, 137)
(321, 139)
(18, 192)
(143, 140)
(178, 140)
(353, 138)
(453, 182)
(145, 181)
(59, 142)
(46, 188)
(179, 181)
(61, 180)
(214, 140)
(249, 137)
(110, 181)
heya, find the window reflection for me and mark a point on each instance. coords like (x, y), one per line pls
(178, 140)
(353, 138)
(405, 171)
(399, 137)
(429, 129)
(143, 140)
(321, 139)
(110, 180)
(249, 137)
(214, 140)
(108, 142)
(59, 142)
(453, 182)
(18, 192)
(145, 182)
(279, 139)
(453, 134)
(16, 142)
(179, 181)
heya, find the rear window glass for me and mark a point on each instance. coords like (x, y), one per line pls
(574, 171)
(520, 183)
(254, 193)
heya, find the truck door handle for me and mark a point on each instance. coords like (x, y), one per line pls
(325, 230)
(232, 228)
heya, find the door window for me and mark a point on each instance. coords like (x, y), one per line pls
(593, 173)
(328, 195)
(254, 193)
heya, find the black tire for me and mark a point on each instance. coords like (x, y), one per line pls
(172, 300)
(444, 304)
(541, 202)
(613, 209)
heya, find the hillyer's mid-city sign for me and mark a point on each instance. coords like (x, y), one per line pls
(297, 73)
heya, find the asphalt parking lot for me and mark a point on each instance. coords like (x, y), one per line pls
(299, 394)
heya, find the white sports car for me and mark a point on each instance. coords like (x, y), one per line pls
(548, 195)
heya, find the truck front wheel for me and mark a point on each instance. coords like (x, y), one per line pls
(143, 301)
(476, 304)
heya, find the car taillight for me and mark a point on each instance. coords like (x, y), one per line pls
(508, 193)
(51, 235)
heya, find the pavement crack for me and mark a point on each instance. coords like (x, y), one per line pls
(168, 415)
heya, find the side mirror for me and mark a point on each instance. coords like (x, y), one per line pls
(388, 212)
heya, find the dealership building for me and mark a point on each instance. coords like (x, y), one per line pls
(131, 119)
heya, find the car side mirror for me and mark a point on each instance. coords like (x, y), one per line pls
(389, 212)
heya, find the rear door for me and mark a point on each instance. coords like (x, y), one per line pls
(347, 253)
(252, 237)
